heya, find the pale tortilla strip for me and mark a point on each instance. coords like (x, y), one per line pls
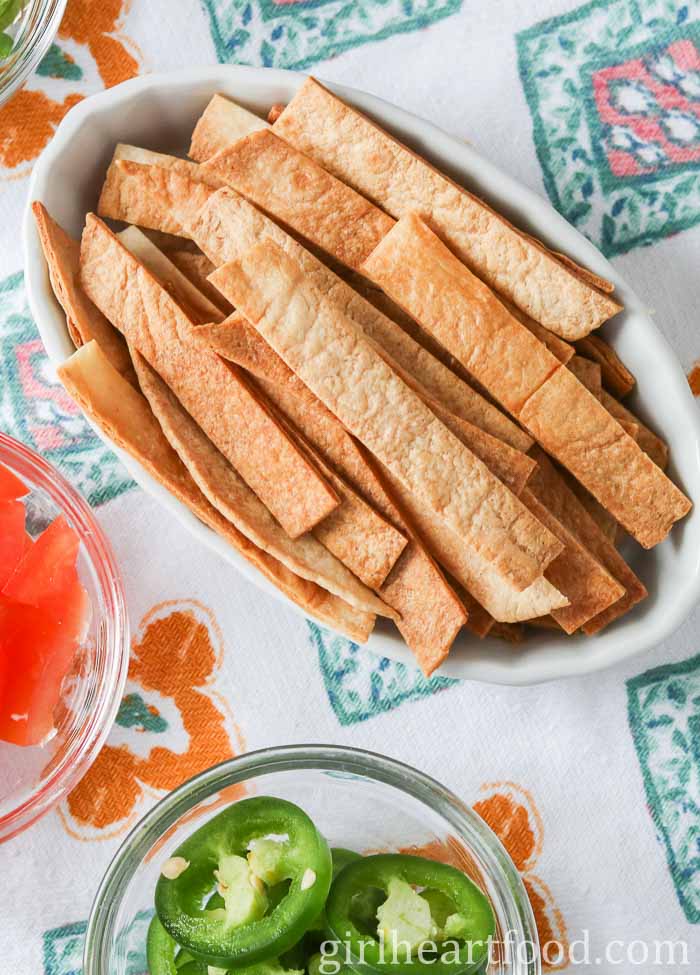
(227, 226)
(125, 416)
(549, 487)
(296, 191)
(222, 123)
(197, 306)
(231, 496)
(616, 376)
(150, 196)
(146, 157)
(587, 372)
(557, 346)
(503, 602)
(197, 267)
(431, 613)
(354, 149)
(577, 430)
(649, 441)
(234, 418)
(589, 587)
(330, 354)
(416, 269)
(85, 321)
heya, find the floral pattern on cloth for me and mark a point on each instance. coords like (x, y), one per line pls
(173, 723)
(298, 33)
(664, 717)
(614, 92)
(35, 409)
(362, 685)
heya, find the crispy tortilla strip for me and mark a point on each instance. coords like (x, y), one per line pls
(578, 431)
(295, 190)
(550, 488)
(275, 112)
(420, 273)
(196, 305)
(354, 149)
(510, 632)
(471, 571)
(589, 587)
(595, 280)
(650, 442)
(234, 418)
(587, 372)
(603, 519)
(345, 371)
(227, 226)
(231, 496)
(616, 376)
(147, 157)
(558, 347)
(197, 267)
(85, 321)
(125, 416)
(150, 196)
(222, 123)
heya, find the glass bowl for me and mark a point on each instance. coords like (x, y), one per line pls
(33, 31)
(34, 778)
(357, 799)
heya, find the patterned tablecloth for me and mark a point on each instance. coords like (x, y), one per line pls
(593, 785)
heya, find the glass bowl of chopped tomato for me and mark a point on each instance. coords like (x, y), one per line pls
(64, 637)
(27, 28)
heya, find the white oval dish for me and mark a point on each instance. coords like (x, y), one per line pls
(159, 112)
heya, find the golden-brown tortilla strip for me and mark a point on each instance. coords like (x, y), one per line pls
(461, 312)
(234, 418)
(331, 355)
(550, 487)
(480, 622)
(577, 430)
(616, 376)
(85, 321)
(587, 372)
(503, 602)
(125, 416)
(196, 305)
(222, 123)
(275, 112)
(296, 191)
(510, 632)
(557, 346)
(603, 519)
(147, 157)
(150, 196)
(230, 495)
(356, 150)
(227, 226)
(197, 267)
(590, 588)
(545, 623)
(590, 277)
(649, 441)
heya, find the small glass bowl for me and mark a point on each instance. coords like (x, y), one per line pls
(359, 800)
(33, 32)
(34, 778)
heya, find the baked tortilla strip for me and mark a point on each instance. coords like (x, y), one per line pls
(296, 191)
(577, 430)
(603, 519)
(330, 354)
(416, 269)
(197, 267)
(479, 622)
(616, 376)
(226, 491)
(222, 123)
(589, 587)
(85, 321)
(558, 347)
(510, 632)
(503, 602)
(150, 196)
(650, 442)
(215, 394)
(146, 157)
(195, 304)
(354, 149)
(125, 416)
(550, 488)
(587, 372)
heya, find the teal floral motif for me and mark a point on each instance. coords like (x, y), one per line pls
(63, 947)
(298, 33)
(664, 717)
(35, 409)
(361, 685)
(613, 89)
(135, 713)
(57, 64)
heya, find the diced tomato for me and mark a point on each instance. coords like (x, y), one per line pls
(11, 488)
(47, 570)
(12, 537)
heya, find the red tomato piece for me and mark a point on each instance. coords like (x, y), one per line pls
(47, 569)
(12, 537)
(11, 487)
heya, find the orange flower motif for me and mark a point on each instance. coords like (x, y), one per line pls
(171, 725)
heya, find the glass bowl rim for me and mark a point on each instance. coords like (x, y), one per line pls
(468, 825)
(34, 45)
(94, 730)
